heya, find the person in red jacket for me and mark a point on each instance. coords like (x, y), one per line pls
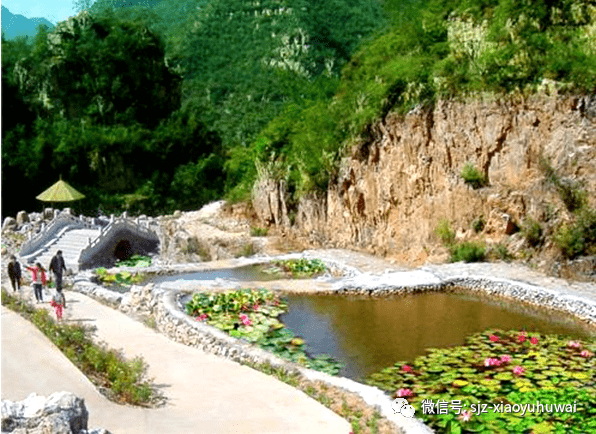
(39, 280)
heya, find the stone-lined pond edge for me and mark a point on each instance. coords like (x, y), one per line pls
(161, 302)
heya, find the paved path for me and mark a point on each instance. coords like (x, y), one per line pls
(206, 394)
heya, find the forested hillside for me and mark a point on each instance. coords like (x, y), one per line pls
(155, 105)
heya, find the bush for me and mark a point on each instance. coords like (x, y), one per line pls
(478, 224)
(532, 231)
(445, 233)
(472, 176)
(578, 238)
(258, 232)
(500, 252)
(468, 252)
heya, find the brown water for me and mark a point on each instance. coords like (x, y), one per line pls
(369, 334)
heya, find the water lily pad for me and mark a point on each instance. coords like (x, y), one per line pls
(460, 383)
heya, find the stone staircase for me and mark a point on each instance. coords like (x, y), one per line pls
(71, 242)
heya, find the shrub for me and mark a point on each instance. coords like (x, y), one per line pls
(468, 252)
(478, 224)
(578, 238)
(532, 231)
(246, 250)
(445, 233)
(500, 252)
(258, 232)
(472, 176)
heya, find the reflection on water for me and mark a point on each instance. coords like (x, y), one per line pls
(245, 273)
(368, 334)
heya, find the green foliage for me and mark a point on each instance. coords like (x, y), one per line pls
(121, 280)
(302, 267)
(531, 231)
(258, 232)
(445, 233)
(125, 380)
(135, 261)
(501, 252)
(246, 250)
(468, 251)
(478, 224)
(579, 237)
(472, 176)
(554, 370)
(252, 315)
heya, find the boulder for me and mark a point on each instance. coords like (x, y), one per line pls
(22, 217)
(60, 413)
(9, 223)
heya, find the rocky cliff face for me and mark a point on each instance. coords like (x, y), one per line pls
(394, 188)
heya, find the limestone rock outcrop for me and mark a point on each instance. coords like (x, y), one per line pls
(395, 187)
(60, 413)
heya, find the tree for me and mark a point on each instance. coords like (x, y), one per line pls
(109, 70)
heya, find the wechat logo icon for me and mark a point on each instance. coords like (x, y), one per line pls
(400, 405)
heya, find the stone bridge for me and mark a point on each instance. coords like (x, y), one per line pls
(90, 242)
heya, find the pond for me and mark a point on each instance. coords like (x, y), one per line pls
(257, 272)
(369, 334)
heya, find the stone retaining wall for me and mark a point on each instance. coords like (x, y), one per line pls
(161, 303)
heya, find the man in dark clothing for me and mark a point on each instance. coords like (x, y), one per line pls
(14, 272)
(57, 266)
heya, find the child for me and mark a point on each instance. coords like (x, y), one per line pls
(39, 279)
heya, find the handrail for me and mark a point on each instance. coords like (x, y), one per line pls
(58, 223)
(116, 224)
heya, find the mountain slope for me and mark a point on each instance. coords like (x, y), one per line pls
(17, 25)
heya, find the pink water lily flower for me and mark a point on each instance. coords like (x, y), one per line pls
(404, 392)
(521, 338)
(574, 344)
(518, 370)
(245, 319)
(534, 340)
(492, 362)
(255, 307)
(202, 317)
(494, 338)
(505, 358)
(406, 368)
(585, 353)
(465, 416)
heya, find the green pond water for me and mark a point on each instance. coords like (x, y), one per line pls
(369, 334)
(246, 273)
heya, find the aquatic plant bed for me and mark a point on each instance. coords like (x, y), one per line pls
(494, 383)
(252, 315)
(120, 380)
(299, 268)
(120, 281)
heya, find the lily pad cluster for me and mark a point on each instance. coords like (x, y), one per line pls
(252, 315)
(135, 261)
(301, 267)
(122, 279)
(500, 369)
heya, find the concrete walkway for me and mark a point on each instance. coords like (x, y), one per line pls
(206, 394)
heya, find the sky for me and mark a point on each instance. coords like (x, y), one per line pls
(52, 10)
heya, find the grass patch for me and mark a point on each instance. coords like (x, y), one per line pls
(122, 380)
(500, 252)
(497, 367)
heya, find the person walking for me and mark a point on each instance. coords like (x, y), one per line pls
(39, 280)
(57, 266)
(14, 272)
